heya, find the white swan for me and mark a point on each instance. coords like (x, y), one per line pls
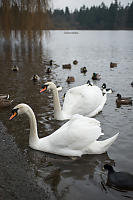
(87, 100)
(75, 138)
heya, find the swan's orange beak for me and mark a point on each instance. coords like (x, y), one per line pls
(12, 116)
(42, 90)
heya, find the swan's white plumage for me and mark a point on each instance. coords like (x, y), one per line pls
(75, 138)
(84, 100)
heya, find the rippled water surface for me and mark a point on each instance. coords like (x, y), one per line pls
(63, 178)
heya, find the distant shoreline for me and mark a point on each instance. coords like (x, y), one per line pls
(68, 31)
(63, 29)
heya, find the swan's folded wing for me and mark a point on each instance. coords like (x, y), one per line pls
(76, 134)
(82, 99)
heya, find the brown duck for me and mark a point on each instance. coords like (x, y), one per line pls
(70, 79)
(113, 65)
(123, 100)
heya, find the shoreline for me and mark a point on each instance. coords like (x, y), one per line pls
(16, 178)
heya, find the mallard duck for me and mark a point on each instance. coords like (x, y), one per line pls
(85, 100)
(70, 79)
(119, 180)
(66, 66)
(35, 78)
(4, 101)
(15, 68)
(75, 62)
(49, 62)
(123, 100)
(75, 138)
(96, 76)
(113, 65)
(83, 70)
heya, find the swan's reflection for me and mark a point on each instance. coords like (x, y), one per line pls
(62, 173)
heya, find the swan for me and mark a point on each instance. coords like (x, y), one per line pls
(87, 100)
(76, 137)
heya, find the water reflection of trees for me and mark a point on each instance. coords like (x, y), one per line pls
(20, 45)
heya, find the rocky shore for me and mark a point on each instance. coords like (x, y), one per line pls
(16, 179)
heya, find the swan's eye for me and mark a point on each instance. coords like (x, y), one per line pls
(14, 113)
(44, 87)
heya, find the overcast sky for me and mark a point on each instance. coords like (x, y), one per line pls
(72, 4)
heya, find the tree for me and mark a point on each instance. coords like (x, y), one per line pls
(30, 14)
(67, 13)
(130, 16)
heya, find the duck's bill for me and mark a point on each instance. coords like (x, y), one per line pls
(12, 116)
(42, 90)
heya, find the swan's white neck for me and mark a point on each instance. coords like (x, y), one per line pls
(33, 138)
(58, 114)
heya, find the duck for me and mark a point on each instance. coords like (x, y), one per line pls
(59, 88)
(51, 62)
(75, 62)
(112, 65)
(106, 90)
(5, 101)
(76, 137)
(4, 96)
(83, 70)
(132, 83)
(96, 76)
(70, 79)
(48, 70)
(89, 83)
(85, 100)
(66, 66)
(64, 96)
(15, 68)
(119, 180)
(35, 78)
(123, 100)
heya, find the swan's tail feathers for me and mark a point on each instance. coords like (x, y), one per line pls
(99, 147)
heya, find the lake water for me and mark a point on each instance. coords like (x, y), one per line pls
(60, 177)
